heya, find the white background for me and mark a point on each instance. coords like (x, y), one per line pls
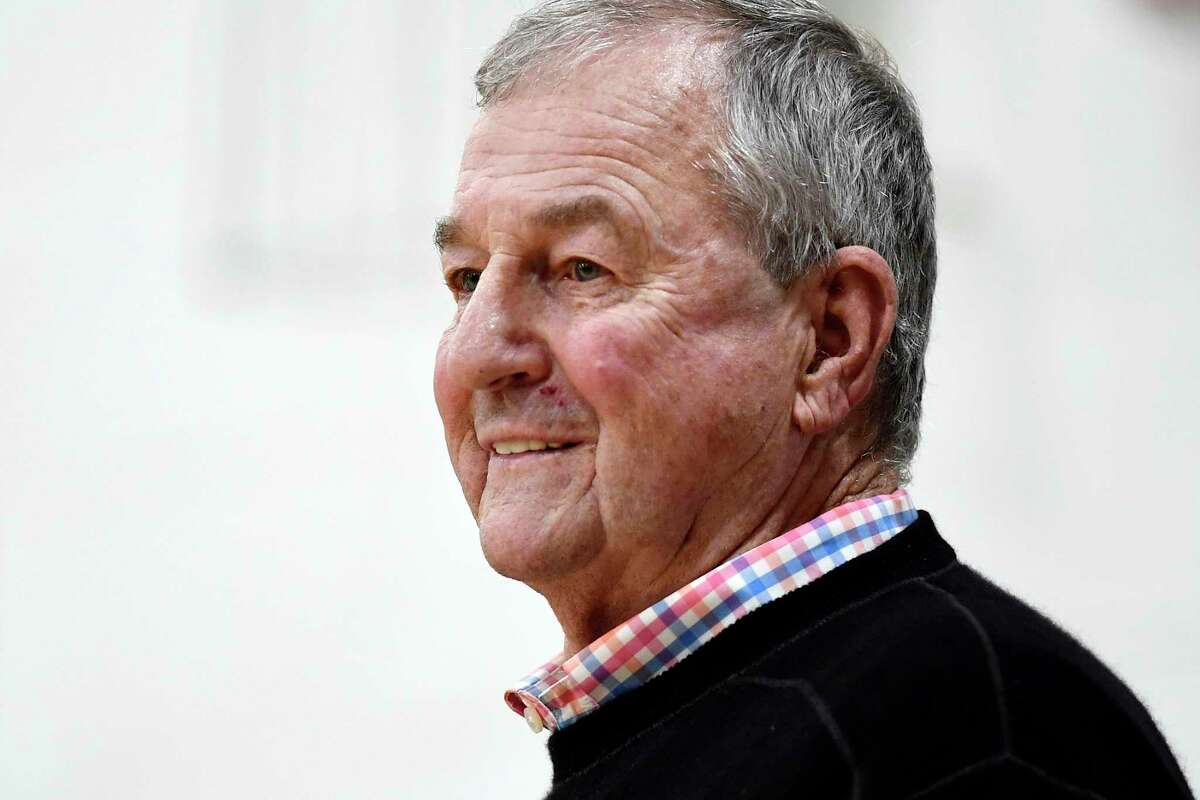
(234, 561)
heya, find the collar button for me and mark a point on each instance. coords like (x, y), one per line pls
(533, 720)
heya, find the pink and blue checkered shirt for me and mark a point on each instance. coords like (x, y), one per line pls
(562, 691)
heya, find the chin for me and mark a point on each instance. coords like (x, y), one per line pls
(532, 551)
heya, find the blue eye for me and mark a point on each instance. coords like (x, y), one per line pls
(583, 270)
(465, 280)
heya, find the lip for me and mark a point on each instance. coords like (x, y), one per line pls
(488, 443)
(534, 454)
(529, 455)
(532, 458)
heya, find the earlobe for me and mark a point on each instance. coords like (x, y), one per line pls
(852, 313)
(820, 402)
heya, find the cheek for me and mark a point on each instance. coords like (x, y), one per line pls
(441, 387)
(452, 401)
(454, 406)
(650, 390)
(684, 396)
(610, 364)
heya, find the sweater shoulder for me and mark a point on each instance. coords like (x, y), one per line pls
(1065, 710)
(904, 679)
(939, 673)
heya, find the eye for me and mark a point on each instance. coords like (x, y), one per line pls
(464, 280)
(583, 270)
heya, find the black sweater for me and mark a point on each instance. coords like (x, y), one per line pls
(901, 674)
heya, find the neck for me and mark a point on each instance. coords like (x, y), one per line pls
(825, 474)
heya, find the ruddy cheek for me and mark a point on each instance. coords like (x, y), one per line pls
(454, 407)
(450, 397)
(605, 364)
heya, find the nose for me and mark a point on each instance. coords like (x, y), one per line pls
(497, 342)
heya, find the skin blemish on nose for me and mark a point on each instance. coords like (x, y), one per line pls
(547, 391)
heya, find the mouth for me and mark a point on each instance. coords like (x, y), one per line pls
(512, 449)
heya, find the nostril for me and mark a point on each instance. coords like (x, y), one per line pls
(511, 380)
(498, 363)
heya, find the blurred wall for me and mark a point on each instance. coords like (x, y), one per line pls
(233, 557)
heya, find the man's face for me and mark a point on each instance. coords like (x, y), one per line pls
(607, 311)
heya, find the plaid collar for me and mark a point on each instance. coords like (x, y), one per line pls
(561, 691)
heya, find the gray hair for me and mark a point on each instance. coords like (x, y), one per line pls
(821, 148)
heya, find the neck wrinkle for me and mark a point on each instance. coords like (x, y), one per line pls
(853, 475)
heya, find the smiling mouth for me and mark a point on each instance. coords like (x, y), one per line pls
(523, 446)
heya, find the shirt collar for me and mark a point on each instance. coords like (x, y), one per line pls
(563, 690)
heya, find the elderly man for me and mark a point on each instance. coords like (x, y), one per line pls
(692, 252)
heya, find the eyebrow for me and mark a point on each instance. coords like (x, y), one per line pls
(575, 213)
(447, 231)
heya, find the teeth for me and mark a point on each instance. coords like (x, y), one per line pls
(523, 445)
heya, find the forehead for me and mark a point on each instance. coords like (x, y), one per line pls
(633, 125)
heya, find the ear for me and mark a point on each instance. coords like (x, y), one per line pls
(852, 310)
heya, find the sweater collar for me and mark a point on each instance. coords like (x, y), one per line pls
(565, 689)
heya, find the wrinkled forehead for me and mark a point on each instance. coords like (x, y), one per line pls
(635, 121)
(672, 68)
